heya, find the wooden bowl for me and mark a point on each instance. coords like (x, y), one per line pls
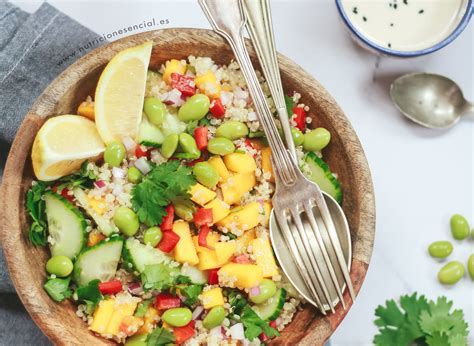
(26, 262)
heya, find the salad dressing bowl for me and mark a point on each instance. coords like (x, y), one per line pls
(26, 263)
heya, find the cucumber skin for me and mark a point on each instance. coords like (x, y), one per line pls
(129, 263)
(281, 301)
(77, 271)
(76, 212)
(327, 173)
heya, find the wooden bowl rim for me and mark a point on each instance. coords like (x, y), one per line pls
(11, 184)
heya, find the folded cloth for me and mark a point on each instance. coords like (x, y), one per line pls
(34, 49)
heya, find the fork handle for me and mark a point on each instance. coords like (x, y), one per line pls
(228, 19)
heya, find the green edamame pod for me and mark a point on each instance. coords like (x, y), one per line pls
(206, 174)
(195, 108)
(177, 317)
(232, 129)
(451, 273)
(214, 317)
(459, 227)
(220, 146)
(470, 266)
(298, 137)
(61, 266)
(126, 221)
(440, 249)
(267, 289)
(114, 154)
(188, 144)
(152, 236)
(134, 175)
(169, 145)
(316, 139)
(155, 110)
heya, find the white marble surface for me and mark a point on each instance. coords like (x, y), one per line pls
(421, 177)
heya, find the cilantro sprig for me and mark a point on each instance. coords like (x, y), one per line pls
(419, 322)
(163, 184)
(36, 208)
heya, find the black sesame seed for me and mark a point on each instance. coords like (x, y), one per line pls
(391, 24)
(389, 45)
(405, 2)
(364, 18)
(354, 10)
(421, 11)
(395, 6)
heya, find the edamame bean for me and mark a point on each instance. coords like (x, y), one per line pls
(169, 145)
(232, 129)
(220, 146)
(440, 249)
(206, 174)
(316, 139)
(177, 317)
(470, 266)
(267, 290)
(155, 110)
(137, 340)
(451, 273)
(114, 154)
(126, 220)
(61, 266)
(188, 144)
(152, 236)
(214, 317)
(195, 108)
(134, 175)
(298, 136)
(459, 227)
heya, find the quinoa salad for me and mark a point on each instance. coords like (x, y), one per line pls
(158, 227)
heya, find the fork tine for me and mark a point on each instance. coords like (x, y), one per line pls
(290, 242)
(331, 230)
(317, 236)
(310, 253)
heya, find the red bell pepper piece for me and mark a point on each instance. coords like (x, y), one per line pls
(217, 109)
(299, 117)
(183, 84)
(203, 216)
(169, 241)
(165, 301)
(200, 135)
(110, 287)
(140, 152)
(202, 237)
(185, 333)
(167, 223)
(213, 278)
(65, 194)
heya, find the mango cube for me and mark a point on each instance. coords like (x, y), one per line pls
(102, 315)
(264, 258)
(151, 317)
(218, 164)
(267, 208)
(173, 66)
(240, 163)
(119, 314)
(267, 163)
(212, 239)
(97, 205)
(207, 260)
(225, 251)
(244, 240)
(208, 84)
(244, 218)
(220, 209)
(240, 275)
(212, 298)
(184, 250)
(201, 194)
(236, 186)
(86, 109)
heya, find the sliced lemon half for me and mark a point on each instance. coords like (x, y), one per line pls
(120, 93)
(62, 144)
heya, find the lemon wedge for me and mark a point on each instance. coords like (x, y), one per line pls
(120, 93)
(62, 144)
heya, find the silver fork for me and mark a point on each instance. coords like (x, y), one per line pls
(259, 25)
(228, 19)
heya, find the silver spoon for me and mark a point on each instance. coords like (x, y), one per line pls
(430, 100)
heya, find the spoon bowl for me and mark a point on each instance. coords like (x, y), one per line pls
(430, 100)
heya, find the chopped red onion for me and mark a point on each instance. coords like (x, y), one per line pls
(143, 165)
(197, 312)
(255, 291)
(237, 331)
(174, 98)
(100, 183)
(129, 144)
(135, 288)
(226, 97)
(118, 173)
(224, 335)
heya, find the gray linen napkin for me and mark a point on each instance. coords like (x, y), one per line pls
(32, 51)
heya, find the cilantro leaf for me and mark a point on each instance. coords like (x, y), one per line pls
(289, 105)
(191, 293)
(142, 308)
(58, 289)
(254, 325)
(160, 187)
(84, 178)
(160, 337)
(159, 276)
(236, 300)
(90, 294)
(36, 208)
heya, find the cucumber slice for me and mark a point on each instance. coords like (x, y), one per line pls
(99, 261)
(322, 175)
(149, 134)
(271, 309)
(172, 125)
(107, 227)
(137, 255)
(66, 226)
(197, 276)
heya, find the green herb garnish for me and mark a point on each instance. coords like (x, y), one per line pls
(36, 206)
(90, 294)
(191, 293)
(58, 289)
(159, 276)
(160, 337)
